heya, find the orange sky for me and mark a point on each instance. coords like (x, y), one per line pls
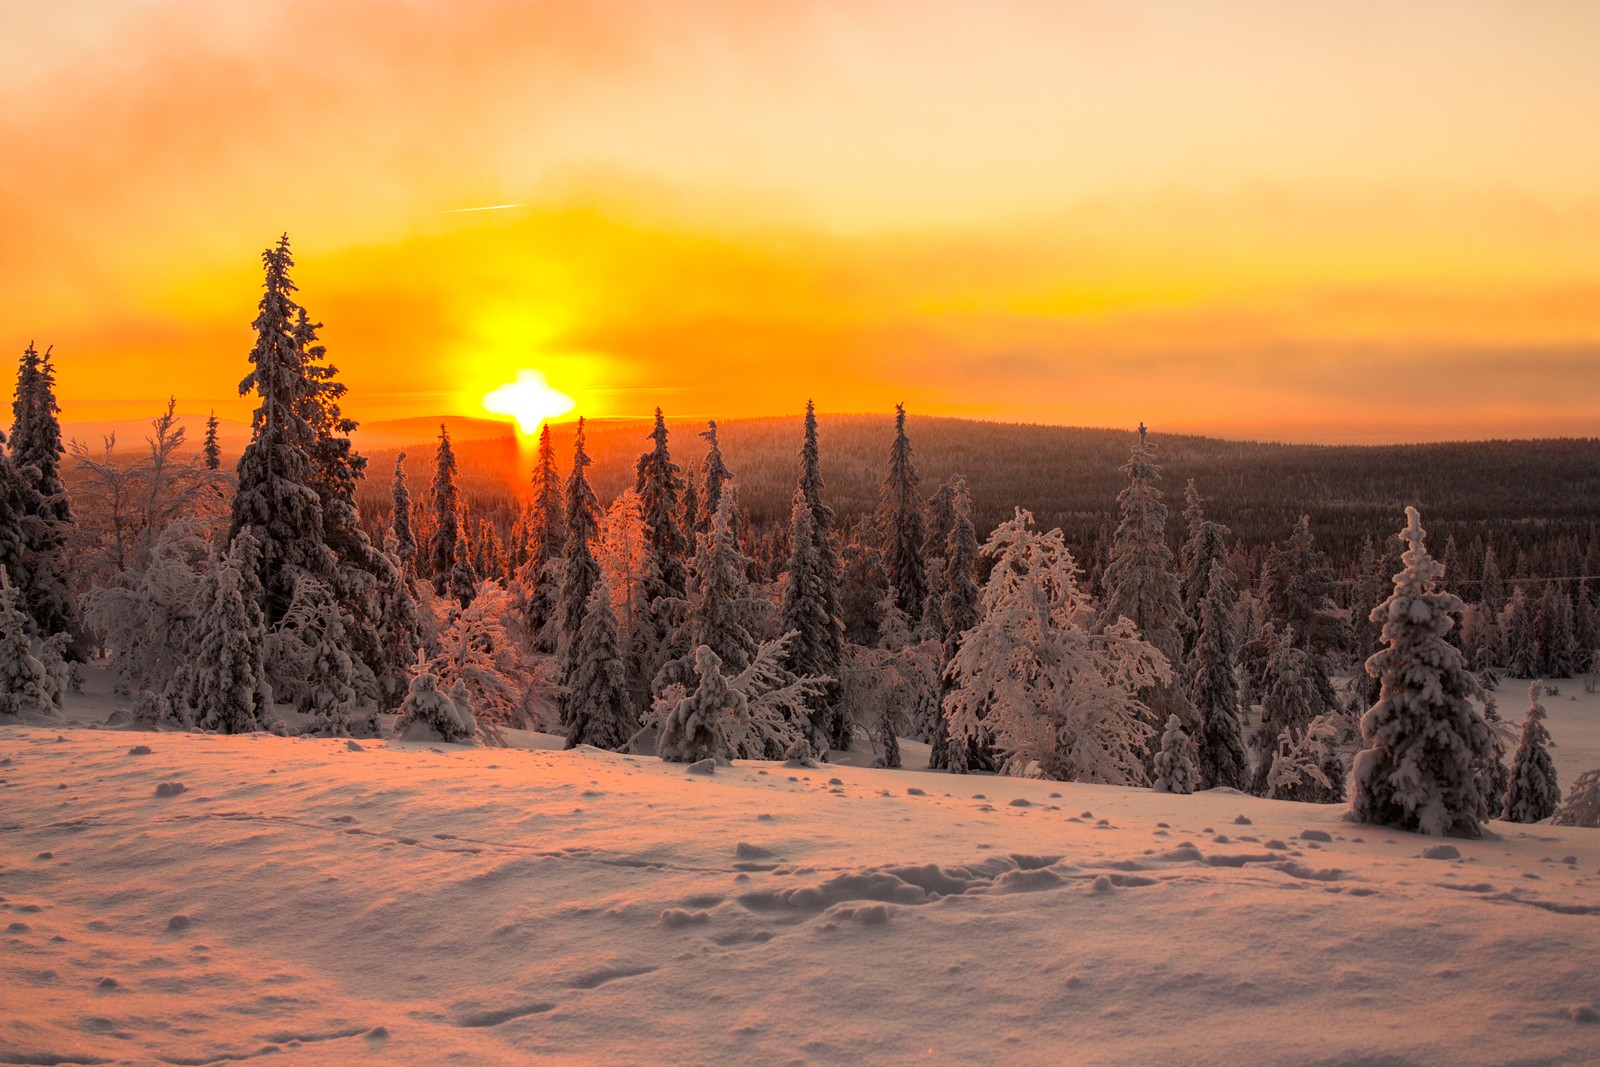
(1358, 221)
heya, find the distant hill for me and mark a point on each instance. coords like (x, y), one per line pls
(1070, 477)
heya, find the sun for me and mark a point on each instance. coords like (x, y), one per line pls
(529, 400)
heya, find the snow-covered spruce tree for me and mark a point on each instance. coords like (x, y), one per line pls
(622, 548)
(1290, 699)
(42, 578)
(1297, 585)
(275, 500)
(430, 714)
(405, 542)
(961, 611)
(664, 575)
(1582, 806)
(1062, 702)
(941, 521)
(1556, 637)
(1214, 692)
(864, 583)
(476, 652)
(442, 547)
(713, 474)
(580, 571)
(602, 709)
(1204, 550)
(12, 541)
(1175, 770)
(24, 687)
(541, 579)
(1423, 737)
(230, 694)
(1139, 582)
(810, 606)
(308, 653)
(1306, 767)
(722, 610)
(1493, 775)
(904, 529)
(211, 448)
(1532, 792)
(463, 580)
(699, 724)
(1519, 635)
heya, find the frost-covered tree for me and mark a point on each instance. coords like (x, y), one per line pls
(1204, 550)
(275, 500)
(1306, 766)
(699, 725)
(903, 525)
(580, 572)
(713, 474)
(1139, 582)
(722, 611)
(1532, 792)
(476, 652)
(1297, 586)
(1519, 634)
(431, 714)
(810, 605)
(24, 684)
(308, 652)
(602, 709)
(750, 715)
(1214, 692)
(1175, 770)
(1424, 738)
(1556, 636)
(39, 498)
(463, 579)
(664, 574)
(124, 505)
(622, 548)
(941, 521)
(960, 611)
(405, 542)
(547, 540)
(1582, 806)
(1493, 775)
(864, 583)
(443, 550)
(230, 693)
(1291, 698)
(1062, 703)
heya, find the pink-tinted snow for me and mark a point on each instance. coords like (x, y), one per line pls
(410, 903)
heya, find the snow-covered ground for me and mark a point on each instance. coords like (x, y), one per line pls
(387, 902)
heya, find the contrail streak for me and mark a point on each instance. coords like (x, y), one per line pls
(491, 207)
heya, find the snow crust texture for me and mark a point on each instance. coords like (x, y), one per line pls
(403, 902)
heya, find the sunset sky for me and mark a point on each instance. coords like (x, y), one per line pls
(1352, 221)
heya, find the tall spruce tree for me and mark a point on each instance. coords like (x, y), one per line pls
(1139, 582)
(904, 525)
(275, 500)
(1532, 792)
(39, 498)
(713, 474)
(230, 694)
(1214, 691)
(1205, 549)
(665, 576)
(547, 537)
(1424, 738)
(602, 712)
(961, 610)
(211, 449)
(580, 571)
(810, 605)
(443, 546)
(405, 542)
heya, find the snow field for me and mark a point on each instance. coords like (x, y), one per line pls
(394, 902)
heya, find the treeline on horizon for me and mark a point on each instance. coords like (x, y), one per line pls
(1530, 500)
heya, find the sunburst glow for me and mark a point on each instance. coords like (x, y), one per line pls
(530, 400)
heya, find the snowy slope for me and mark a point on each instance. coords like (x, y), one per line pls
(406, 903)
